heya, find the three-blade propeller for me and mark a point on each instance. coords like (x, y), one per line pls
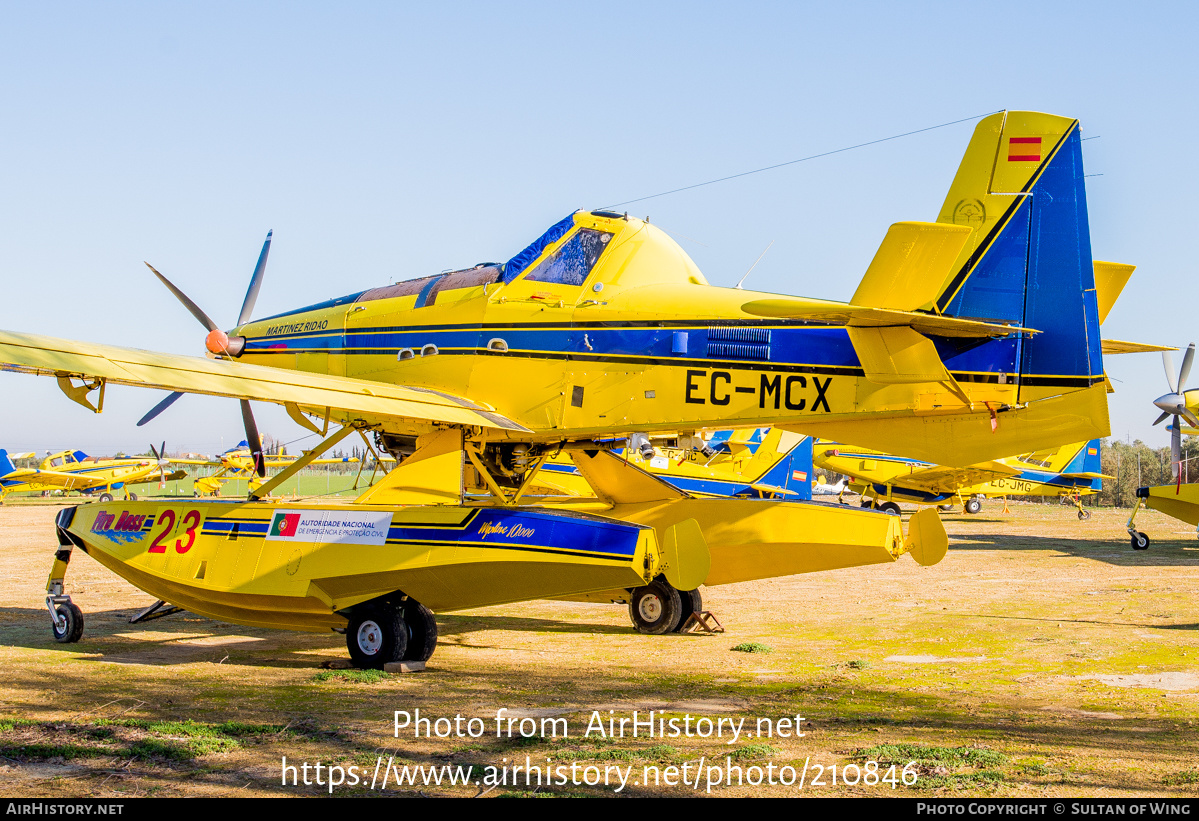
(1174, 403)
(218, 342)
(163, 462)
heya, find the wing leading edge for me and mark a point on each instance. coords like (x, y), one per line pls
(344, 399)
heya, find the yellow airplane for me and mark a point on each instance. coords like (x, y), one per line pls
(1179, 500)
(74, 470)
(601, 328)
(239, 463)
(1071, 470)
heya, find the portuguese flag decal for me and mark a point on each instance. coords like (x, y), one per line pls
(285, 524)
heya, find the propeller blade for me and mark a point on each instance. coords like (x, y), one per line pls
(1186, 367)
(247, 416)
(1168, 364)
(1192, 420)
(187, 303)
(247, 306)
(1176, 443)
(159, 408)
(1162, 418)
(157, 458)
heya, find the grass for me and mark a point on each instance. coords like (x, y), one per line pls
(752, 647)
(930, 756)
(356, 676)
(1184, 778)
(127, 738)
(753, 752)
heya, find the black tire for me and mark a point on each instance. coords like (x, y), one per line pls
(866, 503)
(890, 508)
(1140, 541)
(133, 497)
(105, 498)
(945, 508)
(1083, 515)
(656, 608)
(972, 506)
(692, 603)
(376, 635)
(73, 630)
(422, 631)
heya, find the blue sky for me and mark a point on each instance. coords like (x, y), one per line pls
(389, 141)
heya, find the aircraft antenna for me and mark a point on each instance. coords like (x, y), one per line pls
(802, 159)
(751, 268)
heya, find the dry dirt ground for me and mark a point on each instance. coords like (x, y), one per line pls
(1041, 658)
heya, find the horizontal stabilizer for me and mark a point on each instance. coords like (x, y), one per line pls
(1115, 346)
(908, 269)
(858, 316)
(1087, 475)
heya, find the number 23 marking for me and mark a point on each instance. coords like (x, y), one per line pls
(191, 520)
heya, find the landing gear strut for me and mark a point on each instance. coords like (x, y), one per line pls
(1139, 540)
(66, 617)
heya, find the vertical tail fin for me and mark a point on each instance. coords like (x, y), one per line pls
(1028, 259)
(6, 465)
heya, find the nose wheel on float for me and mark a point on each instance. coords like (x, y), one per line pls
(65, 616)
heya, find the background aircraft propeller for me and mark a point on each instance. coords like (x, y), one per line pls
(218, 342)
(163, 462)
(1174, 403)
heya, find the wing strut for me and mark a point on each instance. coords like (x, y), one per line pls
(282, 476)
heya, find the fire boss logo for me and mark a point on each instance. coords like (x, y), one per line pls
(127, 523)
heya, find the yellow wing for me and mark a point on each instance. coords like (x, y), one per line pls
(939, 478)
(346, 400)
(54, 478)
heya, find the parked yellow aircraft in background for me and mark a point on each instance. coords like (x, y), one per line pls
(238, 463)
(761, 463)
(885, 480)
(74, 470)
(604, 328)
(1179, 500)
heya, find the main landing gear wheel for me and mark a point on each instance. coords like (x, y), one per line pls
(105, 498)
(656, 608)
(973, 506)
(422, 631)
(1140, 541)
(133, 497)
(377, 634)
(692, 603)
(889, 508)
(1083, 515)
(68, 623)
(944, 508)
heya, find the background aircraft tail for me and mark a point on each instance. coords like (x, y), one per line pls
(6, 465)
